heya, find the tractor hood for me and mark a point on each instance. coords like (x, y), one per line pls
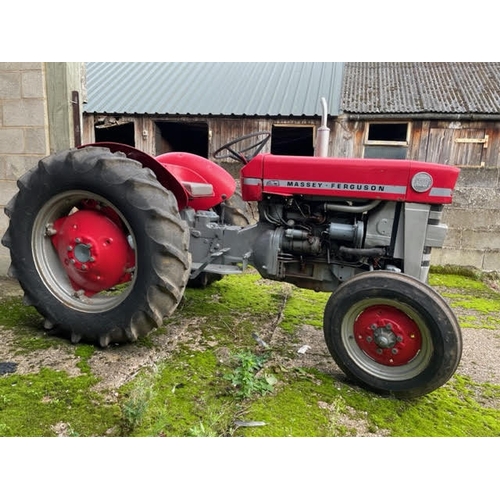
(397, 180)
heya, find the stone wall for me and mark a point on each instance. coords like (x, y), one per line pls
(474, 221)
(36, 119)
(23, 130)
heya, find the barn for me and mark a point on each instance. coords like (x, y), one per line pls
(437, 112)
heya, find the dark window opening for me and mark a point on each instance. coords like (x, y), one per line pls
(124, 133)
(393, 132)
(185, 137)
(387, 140)
(292, 141)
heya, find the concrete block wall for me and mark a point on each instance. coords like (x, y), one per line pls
(474, 221)
(23, 130)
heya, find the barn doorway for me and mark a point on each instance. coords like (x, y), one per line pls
(112, 132)
(189, 137)
(292, 140)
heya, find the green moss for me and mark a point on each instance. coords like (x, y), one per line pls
(451, 411)
(33, 405)
(26, 324)
(322, 407)
(84, 352)
(13, 313)
(304, 307)
(191, 394)
(233, 294)
(250, 302)
(231, 310)
(293, 412)
(479, 321)
(466, 294)
(455, 281)
(186, 389)
(479, 304)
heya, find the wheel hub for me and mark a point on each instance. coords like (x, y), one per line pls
(93, 250)
(387, 335)
(384, 336)
(82, 253)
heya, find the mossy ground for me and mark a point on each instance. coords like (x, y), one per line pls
(474, 302)
(198, 390)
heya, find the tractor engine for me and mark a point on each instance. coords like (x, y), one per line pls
(318, 243)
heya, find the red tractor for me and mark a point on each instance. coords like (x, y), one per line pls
(104, 239)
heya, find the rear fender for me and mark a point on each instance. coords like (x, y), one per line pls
(191, 169)
(166, 178)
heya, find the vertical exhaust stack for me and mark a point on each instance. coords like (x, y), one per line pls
(323, 135)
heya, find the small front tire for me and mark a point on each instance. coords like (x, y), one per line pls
(392, 334)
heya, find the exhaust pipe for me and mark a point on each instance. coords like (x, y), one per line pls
(323, 135)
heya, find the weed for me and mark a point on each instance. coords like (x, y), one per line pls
(216, 422)
(200, 431)
(135, 406)
(245, 377)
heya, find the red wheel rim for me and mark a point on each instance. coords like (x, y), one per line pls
(387, 335)
(93, 250)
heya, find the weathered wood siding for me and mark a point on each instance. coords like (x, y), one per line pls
(221, 130)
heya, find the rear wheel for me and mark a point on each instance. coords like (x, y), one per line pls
(392, 334)
(97, 245)
(237, 212)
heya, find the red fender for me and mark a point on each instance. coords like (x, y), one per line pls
(191, 168)
(167, 179)
(174, 169)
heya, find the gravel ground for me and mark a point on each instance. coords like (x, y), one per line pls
(481, 355)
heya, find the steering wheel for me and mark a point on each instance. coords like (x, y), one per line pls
(237, 154)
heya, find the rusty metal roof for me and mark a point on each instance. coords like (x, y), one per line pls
(213, 88)
(421, 87)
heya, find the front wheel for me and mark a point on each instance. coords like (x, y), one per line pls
(392, 334)
(97, 245)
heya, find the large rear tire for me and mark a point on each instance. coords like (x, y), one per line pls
(93, 181)
(392, 334)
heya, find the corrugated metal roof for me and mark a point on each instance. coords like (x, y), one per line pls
(421, 87)
(213, 88)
